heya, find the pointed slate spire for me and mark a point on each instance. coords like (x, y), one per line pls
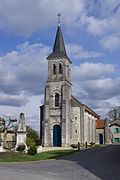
(59, 46)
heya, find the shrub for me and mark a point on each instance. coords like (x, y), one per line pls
(32, 136)
(20, 148)
(32, 150)
(30, 141)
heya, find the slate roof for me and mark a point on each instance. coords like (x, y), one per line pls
(75, 102)
(59, 50)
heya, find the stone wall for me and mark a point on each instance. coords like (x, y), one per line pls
(75, 124)
(89, 127)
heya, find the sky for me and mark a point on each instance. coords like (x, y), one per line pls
(91, 31)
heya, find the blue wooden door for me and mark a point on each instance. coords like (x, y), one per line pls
(56, 135)
(101, 138)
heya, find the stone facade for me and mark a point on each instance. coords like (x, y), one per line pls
(64, 119)
(98, 133)
(115, 131)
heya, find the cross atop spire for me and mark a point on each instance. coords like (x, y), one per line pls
(59, 16)
(59, 49)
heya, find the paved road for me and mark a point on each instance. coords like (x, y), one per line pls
(92, 164)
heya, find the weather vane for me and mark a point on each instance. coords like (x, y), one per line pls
(59, 15)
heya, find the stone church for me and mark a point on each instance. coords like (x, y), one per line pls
(64, 120)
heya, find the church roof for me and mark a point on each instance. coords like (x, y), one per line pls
(89, 110)
(76, 103)
(59, 50)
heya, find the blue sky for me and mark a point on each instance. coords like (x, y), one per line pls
(91, 32)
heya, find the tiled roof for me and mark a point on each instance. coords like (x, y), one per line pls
(100, 124)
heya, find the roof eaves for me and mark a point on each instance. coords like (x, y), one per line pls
(90, 110)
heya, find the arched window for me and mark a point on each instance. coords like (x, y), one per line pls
(56, 100)
(60, 69)
(54, 69)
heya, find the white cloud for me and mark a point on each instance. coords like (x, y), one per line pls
(94, 85)
(89, 70)
(24, 73)
(101, 17)
(111, 43)
(76, 51)
(99, 89)
(93, 25)
(103, 88)
(102, 8)
(13, 100)
(24, 17)
(97, 95)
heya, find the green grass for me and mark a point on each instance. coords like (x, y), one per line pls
(22, 157)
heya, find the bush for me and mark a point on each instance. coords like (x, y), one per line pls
(30, 141)
(32, 136)
(32, 150)
(21, 148)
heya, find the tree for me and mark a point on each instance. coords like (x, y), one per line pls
(114, 114)
(32, 136)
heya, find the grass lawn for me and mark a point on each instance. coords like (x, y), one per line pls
(22, 157)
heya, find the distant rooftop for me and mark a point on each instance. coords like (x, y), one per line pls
(100, 124)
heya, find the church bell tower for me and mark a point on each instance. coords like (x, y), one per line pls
(57, 102)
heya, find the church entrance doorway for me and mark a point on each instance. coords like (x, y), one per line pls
(56, 135)
(101, 138)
